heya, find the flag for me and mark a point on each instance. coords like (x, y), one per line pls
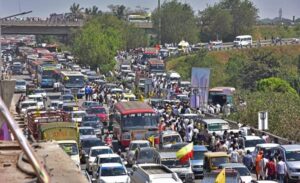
(221, 178)
(37, 112)
(151, 139)
(185, 153)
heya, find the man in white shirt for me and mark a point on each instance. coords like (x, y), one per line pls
(281, 169)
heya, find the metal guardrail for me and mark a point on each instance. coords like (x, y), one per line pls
(62, 23)
(274, 138)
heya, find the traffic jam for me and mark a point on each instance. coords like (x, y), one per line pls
(136, 123)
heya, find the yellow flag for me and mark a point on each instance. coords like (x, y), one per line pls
(185, 150)
(37, 112)
(221, 178)
(151, 139)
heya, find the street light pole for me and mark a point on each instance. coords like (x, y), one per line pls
(159, 23)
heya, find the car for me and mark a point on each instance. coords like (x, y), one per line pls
(291, 156)
(232, 176)
(76, 116)
(112, 172)
(98, 111)
(145, 155)
(250, 141)
(105, 158)
(87, 132)
(197, 160)
(56, 105)
(67, 98)
(66, 91)
(20, 86)
(167, 138)
(178, 146)
(94, 124)
(68, 107)
(24, 105)
(86, 174)
(86, 145)
(86, 104)
(94, 152)
(245, 174)
(265, 147)
(134, 144)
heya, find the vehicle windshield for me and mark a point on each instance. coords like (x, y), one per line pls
(90, 104)
(237, 39)
(91, 143)
(146, 155)
(69, 148)
(96, 152)
(174, 163)
(172, 139)
(140, 120)
(87, 131)
(74, 81)
(95, 125)
(91, 118)
(157, 67)
(78, 115)
(136, 145)
(216, 162)
(67, 97)
(292, 155)
(243, 171)
(112, 171)
(253, 143)
(198, 155)
(28, 105)
(217, 126)
(96, 111)
(22, 83)
(110, 160)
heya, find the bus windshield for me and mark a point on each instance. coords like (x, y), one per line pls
(140, 120)
(75, 81)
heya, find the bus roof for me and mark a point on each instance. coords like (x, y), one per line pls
(154, 61)
(243, 36)
(71, 73)
(223, 89)
(133, 107)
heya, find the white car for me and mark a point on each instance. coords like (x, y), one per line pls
(76, 116)
(132, 147)
(87, 132)
(20, 86)
(251, 141)
(111, 173)
(270, 147)
(24, 105)
(105, 158)
(245, 174)
(94, 152)
(71, 148)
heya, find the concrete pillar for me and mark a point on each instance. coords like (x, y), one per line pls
(7, 89)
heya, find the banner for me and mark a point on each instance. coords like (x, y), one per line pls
(200, 87)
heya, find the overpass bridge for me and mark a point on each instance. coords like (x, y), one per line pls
(47, 27)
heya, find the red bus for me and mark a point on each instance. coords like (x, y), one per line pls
(134, 120)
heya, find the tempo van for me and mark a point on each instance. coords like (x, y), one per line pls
(243, 40)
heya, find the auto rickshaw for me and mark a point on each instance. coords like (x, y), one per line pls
(212, 160)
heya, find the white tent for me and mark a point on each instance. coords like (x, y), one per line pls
(183, 44)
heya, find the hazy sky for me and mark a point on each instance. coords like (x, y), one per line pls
(42, 8)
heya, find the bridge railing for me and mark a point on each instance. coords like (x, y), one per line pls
(42, 23)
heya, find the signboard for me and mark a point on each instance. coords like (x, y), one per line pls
(200, 87)
(263, 120)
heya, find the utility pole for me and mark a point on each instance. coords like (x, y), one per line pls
(159, 23)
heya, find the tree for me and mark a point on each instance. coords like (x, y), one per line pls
(134, 37)
(275, 85)
(97, 42)
(177, 22)
(228, 18)
(119, 11)
(216, 23)
(76, 10)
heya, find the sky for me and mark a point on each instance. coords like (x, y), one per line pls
(43, 8)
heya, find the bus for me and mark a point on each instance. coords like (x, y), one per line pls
(221, 95)
(73, 80)
(138, 18)
(243, 40)
(47, 76)
(156, 66)
(134, 120)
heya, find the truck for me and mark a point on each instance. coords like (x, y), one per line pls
(154, 173)
(55, 125)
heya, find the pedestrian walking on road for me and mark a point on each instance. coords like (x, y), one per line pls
(247, 160)
(281, 170)
(271, 169)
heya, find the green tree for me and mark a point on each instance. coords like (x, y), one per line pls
(93, 11)
(97, 42)
(119, 11)
(134, 37)
(76, 10)
(216, 23)
(275, 85)
(177, 22)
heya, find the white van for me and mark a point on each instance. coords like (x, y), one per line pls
(243, 40)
